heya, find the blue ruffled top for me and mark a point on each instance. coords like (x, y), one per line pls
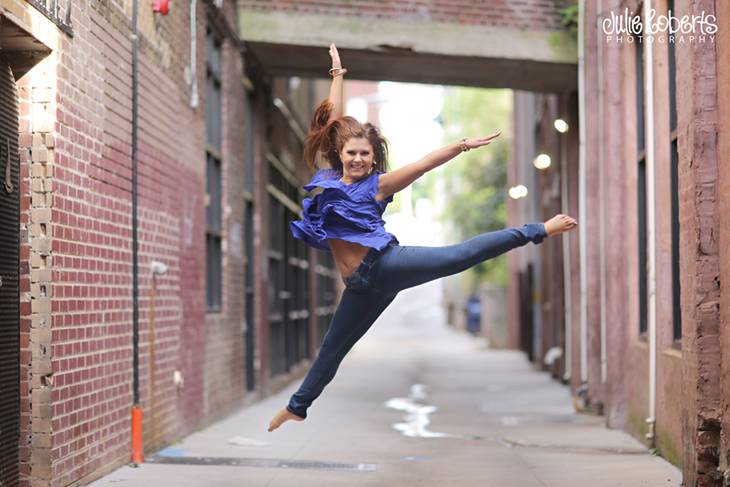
(343, 211)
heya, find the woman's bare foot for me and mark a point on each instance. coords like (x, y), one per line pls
(559, 224)
(281, 417)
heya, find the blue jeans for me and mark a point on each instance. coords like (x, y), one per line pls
(375, 283)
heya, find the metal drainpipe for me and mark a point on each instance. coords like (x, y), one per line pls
(651, 224)
(582, 195)
(567, 288)
(135, 263)
(136, 410)
(536, 256)
(193, 54)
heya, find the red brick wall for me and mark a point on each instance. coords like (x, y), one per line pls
(590, 220)
(91, 352)
(522, 14)
(76, 373)
(224, 354)
(699, 267)
(723, 79)
(619, 319)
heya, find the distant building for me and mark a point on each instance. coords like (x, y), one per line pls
(633, 299)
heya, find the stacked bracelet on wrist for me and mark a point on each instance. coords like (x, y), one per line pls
(334, 72)
(463, 146)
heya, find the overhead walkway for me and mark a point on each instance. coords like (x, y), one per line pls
(501, 52)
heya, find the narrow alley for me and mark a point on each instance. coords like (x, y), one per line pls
(415, 403)
(459, 415)
(185, 184)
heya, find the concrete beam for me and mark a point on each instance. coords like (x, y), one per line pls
(429, 52)
(24, 36)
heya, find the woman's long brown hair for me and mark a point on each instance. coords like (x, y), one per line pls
(329, 136)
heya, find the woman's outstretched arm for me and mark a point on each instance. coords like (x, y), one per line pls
(394, 181)
(327, 111)
(336, 97)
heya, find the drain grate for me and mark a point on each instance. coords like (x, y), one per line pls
(263, 463)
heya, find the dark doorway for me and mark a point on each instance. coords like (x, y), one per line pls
(526, 299)
(9, 278)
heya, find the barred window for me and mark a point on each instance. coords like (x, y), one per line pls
(213, 174)
(641, 183)
(674, 175)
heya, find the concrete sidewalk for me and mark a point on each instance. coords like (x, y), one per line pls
(415, 403)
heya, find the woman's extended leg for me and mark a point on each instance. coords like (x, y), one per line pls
(356, 312)
(408, 266)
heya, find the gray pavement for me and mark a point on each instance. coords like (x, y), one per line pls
(415, 403)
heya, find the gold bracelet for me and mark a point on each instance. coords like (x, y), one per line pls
(462, 144)
(334, 72)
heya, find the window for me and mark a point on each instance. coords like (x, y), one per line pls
(641, 183)
(674, 174)
(288, 277)
(249, 157)
(213, 176)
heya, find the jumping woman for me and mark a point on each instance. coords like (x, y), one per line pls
(345, 218)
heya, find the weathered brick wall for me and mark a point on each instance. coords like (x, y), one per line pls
(699, 266)
(591, 218)
(76, 372)
(522, 14)
(224, 360)
(619, 317)
(36, 95)
(91, 351)
(723, 79)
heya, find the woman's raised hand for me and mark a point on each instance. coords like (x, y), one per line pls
(336, 63)
(481, 141)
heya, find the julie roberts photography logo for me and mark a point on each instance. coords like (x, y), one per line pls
(628, 27)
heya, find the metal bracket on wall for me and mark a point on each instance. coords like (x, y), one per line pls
(9, 187)
(51, 8)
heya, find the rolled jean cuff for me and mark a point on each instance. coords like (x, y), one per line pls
(536, 232)
(301, 414)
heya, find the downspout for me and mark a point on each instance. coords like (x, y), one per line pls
(193, 54)
(567, 289)
(536, 255)
(136, 409)
(651, 222)
(582, 195)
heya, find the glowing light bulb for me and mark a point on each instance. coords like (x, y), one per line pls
(517, 192)
(560, 125)
(542, 161)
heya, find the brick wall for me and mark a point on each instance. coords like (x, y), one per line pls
(91, 351)
(699, 266)
(36, 96)
(224, 360)
(690, 395)
(723, 79)
(521, 14)
(76, 372)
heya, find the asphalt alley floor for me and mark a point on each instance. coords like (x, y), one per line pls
(415, 403)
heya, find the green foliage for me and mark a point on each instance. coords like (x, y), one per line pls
(475, 182)
(570, 19)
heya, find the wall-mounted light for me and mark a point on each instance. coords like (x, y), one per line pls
(517, 192)
(161, 6)
(542, 161)
(560, 125)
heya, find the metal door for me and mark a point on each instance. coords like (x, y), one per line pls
(9, 278)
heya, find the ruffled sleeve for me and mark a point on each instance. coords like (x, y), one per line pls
(342, 211)
(324, 178)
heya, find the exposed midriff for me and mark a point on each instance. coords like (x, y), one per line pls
(347, 255)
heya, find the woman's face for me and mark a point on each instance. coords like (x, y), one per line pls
(357, 158)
